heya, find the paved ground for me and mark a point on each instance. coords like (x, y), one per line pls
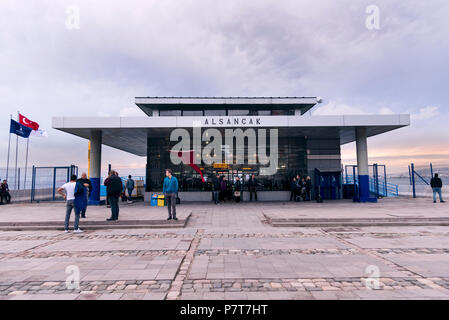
(231, 252)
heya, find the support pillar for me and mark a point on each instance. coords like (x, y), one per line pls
(95, 167)
(362, 167)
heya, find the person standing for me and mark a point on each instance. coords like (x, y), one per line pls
(4, 192)
(84, 180)
(238, 187)
(436, 184)
(114, 188)
(67, 191)
(223, 188)
(130, 184)
(252, 186)
(309, 188)
(216, 189)
(293, 189)
(170, 189)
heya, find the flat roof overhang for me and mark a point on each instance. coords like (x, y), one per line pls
(130, 133)
(148, 104)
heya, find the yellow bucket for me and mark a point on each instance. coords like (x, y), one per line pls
(160, 200)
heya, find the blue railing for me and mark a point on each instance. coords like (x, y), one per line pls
(382, 189)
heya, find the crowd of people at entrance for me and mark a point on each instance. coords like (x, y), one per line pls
(301, 188)
(224, 190)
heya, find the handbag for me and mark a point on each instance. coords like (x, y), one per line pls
(237, 194)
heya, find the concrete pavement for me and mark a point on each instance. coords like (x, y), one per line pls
(230, 251)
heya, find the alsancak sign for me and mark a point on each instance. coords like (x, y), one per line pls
(232, 121)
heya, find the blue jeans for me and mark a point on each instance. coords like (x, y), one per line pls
(216, 196)
(130, 192)
(70, 205)
(435, 191)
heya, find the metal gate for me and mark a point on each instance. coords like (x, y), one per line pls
(46, 180)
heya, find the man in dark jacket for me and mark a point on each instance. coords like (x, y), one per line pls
(252, 186)
(84, 180)
(436, 185)
(114, 188)
(4, 192)
(216, 189)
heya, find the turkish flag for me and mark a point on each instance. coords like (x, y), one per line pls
(28, 123)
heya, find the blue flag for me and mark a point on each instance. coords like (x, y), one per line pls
(19, 129)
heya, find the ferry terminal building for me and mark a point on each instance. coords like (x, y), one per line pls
(306, 144)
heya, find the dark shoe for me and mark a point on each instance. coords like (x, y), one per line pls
(175, 218)
(111, 219)
(434, 202)
(442, 201)
(84, 217)
(169, 218)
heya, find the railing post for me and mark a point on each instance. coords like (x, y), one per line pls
(413, 180)
(54, 184)
(410, 175)
(33, 176)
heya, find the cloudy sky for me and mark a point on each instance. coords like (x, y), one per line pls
(124, 49)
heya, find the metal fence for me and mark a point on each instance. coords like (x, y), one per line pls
(378, 182)
(419, 179)
(47, 180)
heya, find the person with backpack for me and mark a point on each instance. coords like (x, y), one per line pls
(114, 188)
(170, 189)
(436, 184)
(130, 184)
(67, 191)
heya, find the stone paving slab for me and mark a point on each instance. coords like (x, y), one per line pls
(429, 266)
(285, 266)
(271, 243)
(8, 246)
(92, 268)
(75, 245)
(393, 241)
(48, 216)
(385, 208)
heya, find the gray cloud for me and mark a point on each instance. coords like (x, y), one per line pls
(136, 48)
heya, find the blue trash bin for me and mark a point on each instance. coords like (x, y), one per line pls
(154, 200)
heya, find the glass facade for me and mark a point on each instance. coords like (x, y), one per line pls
(225, 112)
(292, 161)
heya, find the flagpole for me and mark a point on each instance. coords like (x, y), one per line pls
(9, 148)
(26, 165)
(17, 151)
